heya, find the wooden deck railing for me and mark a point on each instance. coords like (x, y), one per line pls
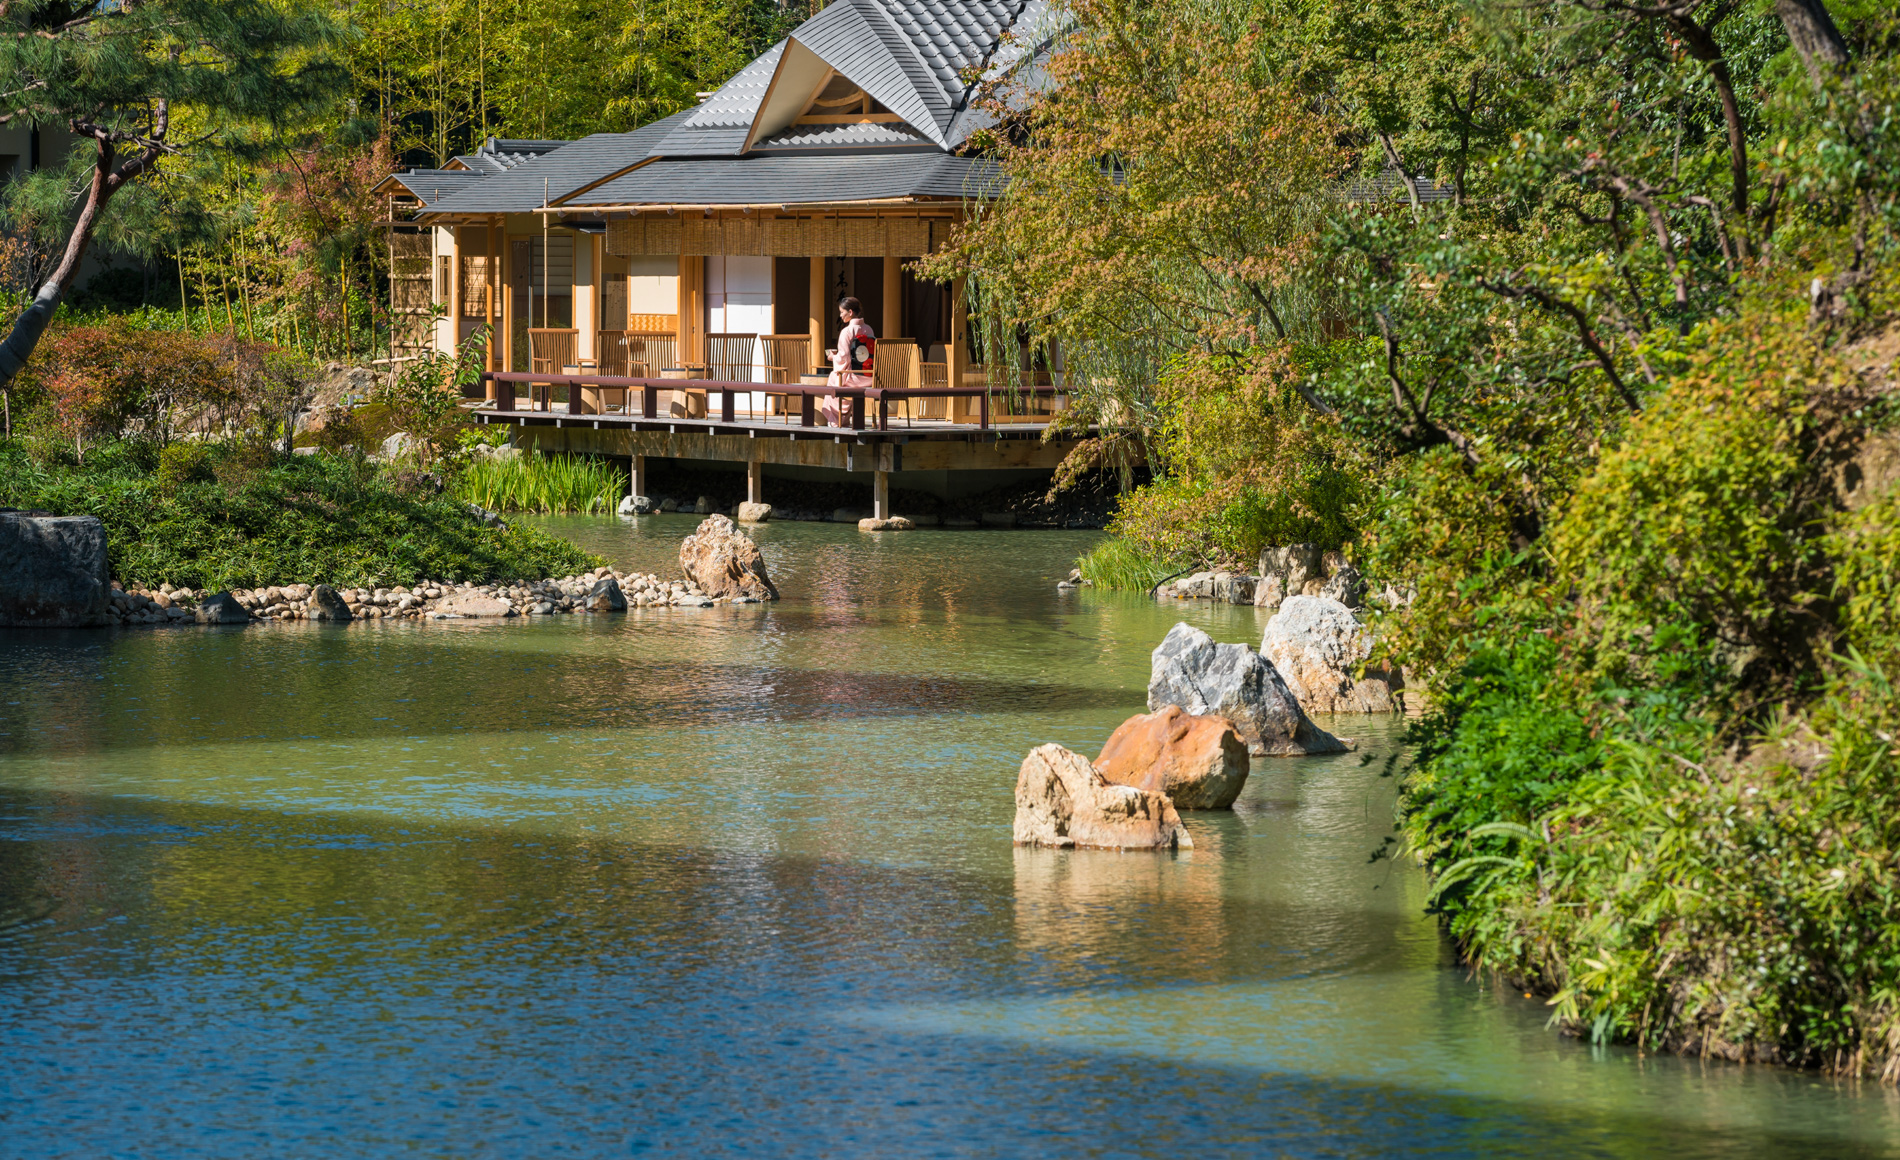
(857, 400)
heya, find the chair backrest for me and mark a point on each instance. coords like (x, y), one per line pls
(787, 356)
(729, 357)
(896, 366)
(650, 352)
(610, 353)
(551, 348)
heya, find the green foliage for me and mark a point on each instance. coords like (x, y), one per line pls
(545, 484)
(183, 463)
(263, 519)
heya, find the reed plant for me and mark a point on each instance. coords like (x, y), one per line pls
(1115, 563)
(543, 484)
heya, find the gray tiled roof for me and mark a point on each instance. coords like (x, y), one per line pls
(560, 172)
(720, 125)
(911, 55)
(431, 185)
(873, 134)
(786, 180)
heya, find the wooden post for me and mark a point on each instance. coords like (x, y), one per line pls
(455, 289)
(957, 355)
(491, 284)
(639, 478)
(881, 495)
(755, 481)
(692, 304)
(893, 320)
(820, 315)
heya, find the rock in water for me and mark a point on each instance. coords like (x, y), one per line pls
(754, 513)
(1316, 643)
(475, 604)
(1200, 763)
(635, 505)
(724, 561)
(222, 608)
(325, 604)
(606, 596)
(1233, 681)
(1062, 801)
(53, 571)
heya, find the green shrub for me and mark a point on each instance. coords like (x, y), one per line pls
(184, 463)
(336, 519)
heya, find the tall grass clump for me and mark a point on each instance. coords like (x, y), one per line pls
(544, 484)
(1118, 564)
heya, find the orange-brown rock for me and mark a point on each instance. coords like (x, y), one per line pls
(1199, 762)
(724, 561)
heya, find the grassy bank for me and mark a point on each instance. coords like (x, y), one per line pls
(241, 516)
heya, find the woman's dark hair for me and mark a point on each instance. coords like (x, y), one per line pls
(853, 305)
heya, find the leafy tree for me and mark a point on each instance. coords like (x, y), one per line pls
(142, 80)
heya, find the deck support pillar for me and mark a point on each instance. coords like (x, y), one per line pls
(639, 475)
(755, 481)
(881, 495)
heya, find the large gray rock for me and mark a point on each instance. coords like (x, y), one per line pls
(222, 608)
(635, 505)
(754, 513)
(327, 604)
(724, 561)
(53, 571)
(606, 596)
(1316, 644)
(1062, 800)
(1233, 681)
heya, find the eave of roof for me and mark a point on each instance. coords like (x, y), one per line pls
(551, 176)
(777, 179)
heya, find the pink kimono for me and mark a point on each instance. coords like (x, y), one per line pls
(850, 364)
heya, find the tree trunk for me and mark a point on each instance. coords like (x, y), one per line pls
(28, 328)
(1701, 45)
(1816, 41)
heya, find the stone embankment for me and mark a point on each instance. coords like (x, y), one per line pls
(1294, 570)
(602, 590)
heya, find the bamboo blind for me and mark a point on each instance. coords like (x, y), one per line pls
(857, 237)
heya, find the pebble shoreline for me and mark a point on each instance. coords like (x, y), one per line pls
(424, 600)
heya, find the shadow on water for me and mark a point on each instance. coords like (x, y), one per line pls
(457, 990)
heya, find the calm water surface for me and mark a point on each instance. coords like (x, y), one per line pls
(738, 881)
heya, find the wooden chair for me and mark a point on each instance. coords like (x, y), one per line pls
(787, 356)
(549, 350)
(729, 357)
(650, 351)
(611, 357)
(896, 368)
(934, 372)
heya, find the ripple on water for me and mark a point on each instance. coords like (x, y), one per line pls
(739, 881)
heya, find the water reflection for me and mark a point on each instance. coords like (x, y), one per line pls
(739, 881)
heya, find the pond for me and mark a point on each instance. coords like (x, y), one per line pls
(737, 881)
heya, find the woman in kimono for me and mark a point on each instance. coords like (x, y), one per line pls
(854, 357)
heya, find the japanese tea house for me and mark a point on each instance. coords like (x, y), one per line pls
(714, 244)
